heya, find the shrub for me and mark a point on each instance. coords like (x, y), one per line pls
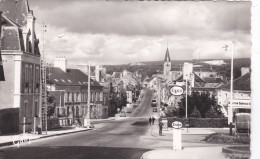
(222, 138)
(201, 122)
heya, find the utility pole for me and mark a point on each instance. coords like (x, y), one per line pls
(159, 92)
(43, 90)
(87, 117)
(186, 102)
(2, 76)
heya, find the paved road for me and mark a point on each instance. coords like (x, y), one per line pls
(124, 138)
(144, 109)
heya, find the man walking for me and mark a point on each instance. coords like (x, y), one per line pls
(150, 121)
(160, 127)
(153, 120)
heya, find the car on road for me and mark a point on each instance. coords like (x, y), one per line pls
(155, 109)
(122, 114)
(154, 103)
(128, 109)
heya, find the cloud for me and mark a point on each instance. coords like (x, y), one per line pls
(123, 32)
(151, 19)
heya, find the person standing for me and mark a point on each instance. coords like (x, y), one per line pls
(150, 121)
(160, 127)
(153, 119)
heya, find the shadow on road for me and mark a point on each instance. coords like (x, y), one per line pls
(74, 152)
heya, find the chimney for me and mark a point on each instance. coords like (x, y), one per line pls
(61, 62)
(244, 70)
(97, 73)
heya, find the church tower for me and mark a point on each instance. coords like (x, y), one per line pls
(167, 64)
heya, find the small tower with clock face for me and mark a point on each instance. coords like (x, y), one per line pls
(167, 64)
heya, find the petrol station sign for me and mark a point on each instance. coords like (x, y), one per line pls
(176, 90)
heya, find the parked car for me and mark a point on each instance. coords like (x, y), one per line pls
(122, 114)
(155, 109)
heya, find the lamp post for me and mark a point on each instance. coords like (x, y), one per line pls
(230, 110)
(186, 102)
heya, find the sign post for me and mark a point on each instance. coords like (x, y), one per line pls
(176, 135)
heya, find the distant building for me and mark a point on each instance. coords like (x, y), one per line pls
(241, 93)
(167, 64)
(71, 85)
(19, 93)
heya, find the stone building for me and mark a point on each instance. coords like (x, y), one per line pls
(19, 93)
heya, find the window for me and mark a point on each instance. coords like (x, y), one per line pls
(26, 76)
(36, 114)
(92, 96)
(101, 96)
(37, 77)
(97, 96)
(25, 108)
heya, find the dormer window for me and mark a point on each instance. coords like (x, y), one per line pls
(56, 80)
(69, 81)
(63, 80)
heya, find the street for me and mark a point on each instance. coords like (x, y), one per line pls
(123, 138)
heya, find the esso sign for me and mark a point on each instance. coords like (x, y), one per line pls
(176, 90)
(176, 125)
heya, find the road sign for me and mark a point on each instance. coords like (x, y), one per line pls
(176, 90)
(176, 125)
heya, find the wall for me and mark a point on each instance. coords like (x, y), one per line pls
(9, 121)
(7, 86)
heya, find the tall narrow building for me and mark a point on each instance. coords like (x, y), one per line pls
(167, 64)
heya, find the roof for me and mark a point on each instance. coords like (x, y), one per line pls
(242, 83)
(197, 78)
(167, 56)
(16, 10)
(72, 77)
(12, 39)
(212, 80)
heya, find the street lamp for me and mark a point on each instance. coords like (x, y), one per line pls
(230, 107)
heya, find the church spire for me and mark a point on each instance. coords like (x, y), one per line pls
(167, 56)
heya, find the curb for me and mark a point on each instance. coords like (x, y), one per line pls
(42, 137)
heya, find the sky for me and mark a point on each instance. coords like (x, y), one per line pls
(121, 32)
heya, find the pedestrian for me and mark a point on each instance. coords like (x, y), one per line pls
(79, 122)
(160, 127)
(150, 121)
(153, 119)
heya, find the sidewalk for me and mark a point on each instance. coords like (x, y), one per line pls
(186, 153)
(8, 140)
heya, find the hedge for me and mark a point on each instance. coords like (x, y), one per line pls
(200, 122)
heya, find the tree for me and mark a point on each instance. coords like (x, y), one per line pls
(211, 113)
(195, 113)
(202, 101)
(50, 104)
(182, 105)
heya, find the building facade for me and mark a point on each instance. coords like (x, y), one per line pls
(21, 59)
(70, 88)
